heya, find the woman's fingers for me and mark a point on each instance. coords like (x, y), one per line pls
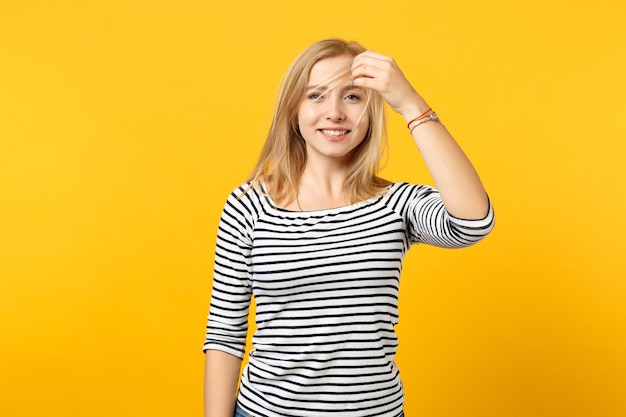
(370, 65)
(381, 73)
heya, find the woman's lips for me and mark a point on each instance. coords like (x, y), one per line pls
(335, 135)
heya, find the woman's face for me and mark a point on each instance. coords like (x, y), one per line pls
(332, 116)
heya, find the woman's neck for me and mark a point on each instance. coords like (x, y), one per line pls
(321, 187)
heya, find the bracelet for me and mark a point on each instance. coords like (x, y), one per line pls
(431, 117)
(420, 117)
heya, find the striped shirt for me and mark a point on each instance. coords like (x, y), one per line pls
(326, 289)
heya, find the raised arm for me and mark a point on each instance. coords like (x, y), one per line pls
(456, 179)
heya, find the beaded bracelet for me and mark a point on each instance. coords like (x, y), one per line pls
(430, 117)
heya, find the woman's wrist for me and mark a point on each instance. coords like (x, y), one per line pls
(423, 115)
(415, 109)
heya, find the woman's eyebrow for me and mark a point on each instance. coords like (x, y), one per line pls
(325, 88)
(352, 87)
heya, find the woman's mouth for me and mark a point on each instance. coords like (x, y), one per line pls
(335, 134)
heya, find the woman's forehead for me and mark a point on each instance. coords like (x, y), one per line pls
(330, 68)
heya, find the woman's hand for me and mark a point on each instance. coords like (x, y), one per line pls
(381, 73)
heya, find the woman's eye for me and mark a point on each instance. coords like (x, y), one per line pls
(314, 96)
(353, 97)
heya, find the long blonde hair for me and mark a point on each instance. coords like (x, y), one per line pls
(283, 156)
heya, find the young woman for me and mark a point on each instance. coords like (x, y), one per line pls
(318, 239)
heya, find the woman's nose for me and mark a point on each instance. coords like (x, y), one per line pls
(335, 111)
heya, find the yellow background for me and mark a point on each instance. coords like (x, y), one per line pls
(125, 124)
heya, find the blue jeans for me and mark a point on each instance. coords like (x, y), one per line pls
(240, 413)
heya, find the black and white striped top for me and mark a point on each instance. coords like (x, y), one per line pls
(326, 289)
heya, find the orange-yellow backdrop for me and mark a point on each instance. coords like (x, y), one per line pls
(124, 125)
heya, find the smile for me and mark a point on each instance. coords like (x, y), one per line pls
(335, 133)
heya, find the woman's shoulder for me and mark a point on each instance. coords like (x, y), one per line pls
(246, 197)
(244, 189)
(402, 195)
(408, 188)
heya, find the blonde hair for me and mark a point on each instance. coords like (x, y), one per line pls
(283, 156)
